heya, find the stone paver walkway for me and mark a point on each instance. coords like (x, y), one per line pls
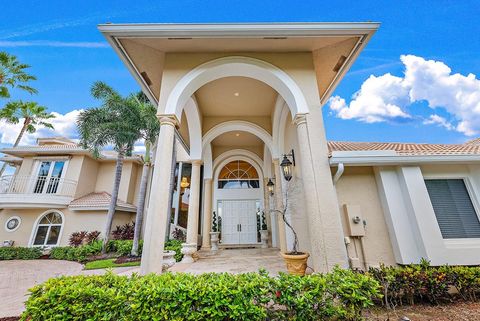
(16, 277)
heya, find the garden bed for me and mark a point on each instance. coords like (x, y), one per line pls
(111, 263)
(458, 311)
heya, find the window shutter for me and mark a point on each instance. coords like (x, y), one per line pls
(453, 208)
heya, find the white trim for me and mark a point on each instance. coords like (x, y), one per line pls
(374, 160)
(11, 218)
(194, 128)
(35, 228)
(243, 30)
(236, 66)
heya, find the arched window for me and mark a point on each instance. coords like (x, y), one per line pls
(48, 230)
(238, 174)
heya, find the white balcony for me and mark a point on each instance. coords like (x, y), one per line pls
(35, 191)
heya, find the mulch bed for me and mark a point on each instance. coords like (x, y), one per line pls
(10, 319)
(127, 259)
(459, 311)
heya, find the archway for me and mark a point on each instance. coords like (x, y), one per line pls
(236, 66)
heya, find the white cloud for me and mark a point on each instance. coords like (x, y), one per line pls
(439, 121)
(47, 43)
(65, 126)
(388, 97)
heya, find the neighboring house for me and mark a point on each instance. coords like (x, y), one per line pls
(243, 99)
(59, 188)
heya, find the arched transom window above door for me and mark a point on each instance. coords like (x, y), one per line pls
(238, 174)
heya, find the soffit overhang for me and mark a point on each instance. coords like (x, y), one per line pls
(142, 46)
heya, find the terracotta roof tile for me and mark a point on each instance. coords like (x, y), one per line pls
(98, 200)
(409, 148)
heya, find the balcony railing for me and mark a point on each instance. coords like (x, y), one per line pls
(42, 185)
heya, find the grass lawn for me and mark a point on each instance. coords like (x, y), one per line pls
(108, 263)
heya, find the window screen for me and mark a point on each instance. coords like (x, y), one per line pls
(453, 208)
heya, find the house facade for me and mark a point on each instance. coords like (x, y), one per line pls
(59, 188)
(242, 137)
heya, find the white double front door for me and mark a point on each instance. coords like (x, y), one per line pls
(239, 221)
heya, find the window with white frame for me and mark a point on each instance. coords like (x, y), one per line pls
(49, 176)
(238, 175)
(48, 230)
(454, 209)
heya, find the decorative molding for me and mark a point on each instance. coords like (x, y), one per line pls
(300, 119)
(168, 119)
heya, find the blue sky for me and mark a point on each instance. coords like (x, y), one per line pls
(67, 54)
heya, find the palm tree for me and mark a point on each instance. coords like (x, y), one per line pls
(13, 75)
(116, 123)
(149, 133)
(33, 115)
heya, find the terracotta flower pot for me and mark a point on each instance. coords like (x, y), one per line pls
(296, 263)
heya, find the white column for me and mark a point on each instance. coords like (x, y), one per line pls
(321, 204)
(282, 235)
(158, 207)
(190, 247)
(207, 213)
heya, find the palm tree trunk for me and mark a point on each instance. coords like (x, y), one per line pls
(141, 200)
(17, 141)
(113, 201)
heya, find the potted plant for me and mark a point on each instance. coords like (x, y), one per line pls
(295, 260)
(214, 234)
(264, 231)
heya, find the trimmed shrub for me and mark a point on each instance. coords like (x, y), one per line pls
(124, 247)
(79, 254)
(423, 283)
(175, 245)
(20, 253)
(339, 295)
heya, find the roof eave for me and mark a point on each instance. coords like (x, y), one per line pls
(404, 160)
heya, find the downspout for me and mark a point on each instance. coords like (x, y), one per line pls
(339, 173)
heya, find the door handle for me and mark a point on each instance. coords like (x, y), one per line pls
(240, 227)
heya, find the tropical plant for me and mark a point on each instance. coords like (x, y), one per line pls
(150, 128)
(13, 75)
(124, 232)
(116, 123)
(33, 116)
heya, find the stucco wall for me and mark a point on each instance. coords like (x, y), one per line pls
(357, 186)
(74, 221)
(87, 178)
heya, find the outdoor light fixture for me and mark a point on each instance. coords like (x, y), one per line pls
(270, 186)
(184, 183)
(286, 165)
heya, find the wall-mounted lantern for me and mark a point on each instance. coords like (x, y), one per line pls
(286, 165)
(270, 186)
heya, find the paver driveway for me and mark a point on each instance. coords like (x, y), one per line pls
(16, 277)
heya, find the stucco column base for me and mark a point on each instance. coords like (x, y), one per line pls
(188, 251)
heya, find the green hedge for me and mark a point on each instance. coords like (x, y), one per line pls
(339, 295)
(20, 253)
(423, 283)
(124, 247)
(76, 253)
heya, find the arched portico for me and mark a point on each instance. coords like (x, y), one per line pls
(268, 136)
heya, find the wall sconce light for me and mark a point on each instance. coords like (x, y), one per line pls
(184, 183)
(286, 165)
(270, 186)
